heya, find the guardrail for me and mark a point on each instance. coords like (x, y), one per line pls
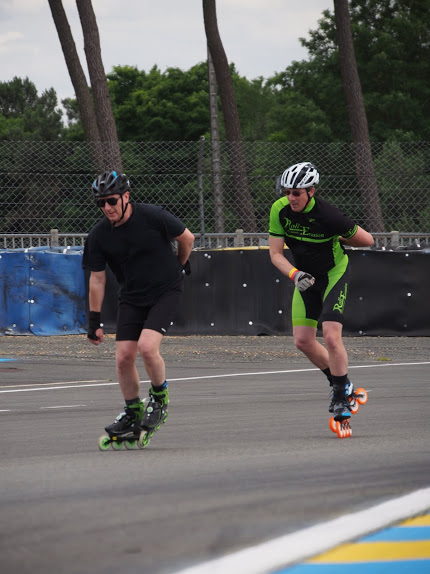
(390, 240)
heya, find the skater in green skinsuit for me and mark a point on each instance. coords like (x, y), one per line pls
(315, 232)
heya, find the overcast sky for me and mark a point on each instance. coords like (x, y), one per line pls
(260, 36)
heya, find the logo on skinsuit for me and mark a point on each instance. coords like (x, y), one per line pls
(340, 305)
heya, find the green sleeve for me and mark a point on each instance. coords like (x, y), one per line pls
(275, 226)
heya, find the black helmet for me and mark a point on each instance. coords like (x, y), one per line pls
(109, 183)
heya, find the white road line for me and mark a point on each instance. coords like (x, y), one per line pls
(302, 545)
(64, 407)
(90, 383)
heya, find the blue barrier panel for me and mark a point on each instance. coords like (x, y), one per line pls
(14, 293)
(42, 292)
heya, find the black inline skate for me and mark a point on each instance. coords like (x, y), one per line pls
(155, 414)
(126, 429)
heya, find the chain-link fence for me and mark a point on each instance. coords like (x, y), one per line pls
(214, 189)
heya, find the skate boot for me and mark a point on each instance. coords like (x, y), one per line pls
(125, 429)
(344, 403)
(339, 423)
(155, 414)
(349, 391)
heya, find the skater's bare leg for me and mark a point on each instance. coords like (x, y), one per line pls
(128, 378)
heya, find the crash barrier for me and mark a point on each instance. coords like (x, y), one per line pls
(240, 292)
(229, 292)
(42, 292)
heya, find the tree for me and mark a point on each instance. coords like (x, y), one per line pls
(357, 118)
(231, 116)
(156, 106)
(79, 82)
(24, 115)
(102, 102)
(392, 50)
(97, 116)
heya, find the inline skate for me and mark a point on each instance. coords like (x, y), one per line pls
(345, 401)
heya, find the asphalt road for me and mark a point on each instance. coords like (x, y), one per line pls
(246, 454)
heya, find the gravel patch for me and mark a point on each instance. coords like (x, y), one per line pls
(218, 348)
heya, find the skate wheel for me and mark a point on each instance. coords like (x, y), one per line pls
(165, 417)
(354, 406)
(104, 442)
(343, 429)
(143, 439)
(116, 445)
(361, 396)
(340, 430)
(130, 444)
(332, 424)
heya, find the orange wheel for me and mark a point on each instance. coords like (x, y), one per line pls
(354, 406)
(361, 396)
(340, 431)
(332, 424)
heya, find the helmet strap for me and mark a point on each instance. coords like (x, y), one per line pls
(124, 209)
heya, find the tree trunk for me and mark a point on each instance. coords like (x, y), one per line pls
(216, 155)
(231, 118)
(357, 118)
(102, 101)
(79, 82)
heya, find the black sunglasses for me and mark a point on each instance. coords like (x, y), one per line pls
(294, 192)
(109, 200)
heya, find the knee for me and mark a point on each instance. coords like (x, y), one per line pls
(147, 350)
(332, 341)
(125, 360)
(302, 343)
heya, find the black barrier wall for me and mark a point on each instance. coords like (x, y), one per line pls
(240, 292)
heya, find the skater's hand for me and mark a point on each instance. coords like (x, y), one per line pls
(302, 280)
(95, 328)
(186, 268)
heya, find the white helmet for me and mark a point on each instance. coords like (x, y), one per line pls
(300, 175)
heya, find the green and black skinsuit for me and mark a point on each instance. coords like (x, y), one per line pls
(312, 235)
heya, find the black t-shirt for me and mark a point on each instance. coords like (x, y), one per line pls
(139, 252)
(312, 234)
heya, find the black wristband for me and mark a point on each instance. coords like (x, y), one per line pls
(94, 324)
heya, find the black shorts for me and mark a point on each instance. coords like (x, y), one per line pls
(157, 317)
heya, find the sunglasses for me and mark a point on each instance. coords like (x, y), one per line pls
(110, 201)
(294, 192)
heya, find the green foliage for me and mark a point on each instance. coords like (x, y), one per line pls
(392, 49)
(409, 163)
(24, 115)
(156, 106)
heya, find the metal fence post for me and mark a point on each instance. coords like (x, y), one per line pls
(395, 239)
(54, 238)
(239, 240)
(201, 197)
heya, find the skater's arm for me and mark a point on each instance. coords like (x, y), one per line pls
(97, 286)
(301, 279)
(185, 245)
(277, 257)
(361, 238)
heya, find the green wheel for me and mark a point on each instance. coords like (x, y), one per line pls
(165, 417)
(116, 445)
(143, 439)
(130, 444)
(103, 442)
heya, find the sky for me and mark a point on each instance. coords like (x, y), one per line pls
(261, 37)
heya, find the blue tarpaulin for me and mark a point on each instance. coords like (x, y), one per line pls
(42, 292)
